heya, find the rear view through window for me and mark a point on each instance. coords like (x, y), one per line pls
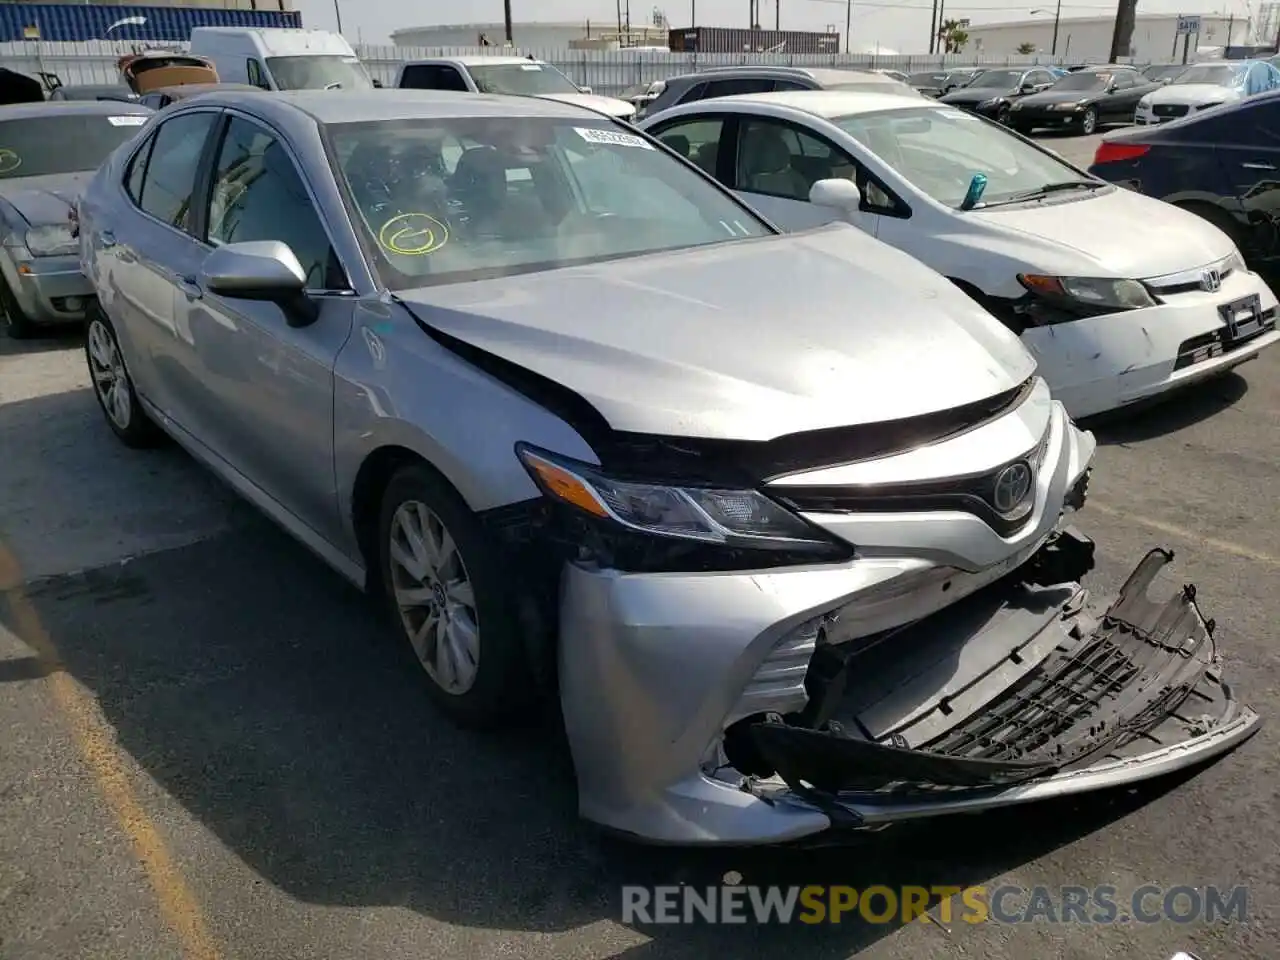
(449, 200)
(41, 146)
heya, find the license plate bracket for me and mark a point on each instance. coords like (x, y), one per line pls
(1242, 317)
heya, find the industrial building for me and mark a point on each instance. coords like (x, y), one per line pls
(589, 34)
(155, 23)
(1089, 38)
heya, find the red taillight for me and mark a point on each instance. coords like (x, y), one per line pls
(1113, 152)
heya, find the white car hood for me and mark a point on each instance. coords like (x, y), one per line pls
(1116, 233)
(1193, 94)
(749, 340)
(614, 108)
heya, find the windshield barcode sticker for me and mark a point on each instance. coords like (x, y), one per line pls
(134, 121)
(613, 138)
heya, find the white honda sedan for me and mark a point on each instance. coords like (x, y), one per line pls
(1120, 297)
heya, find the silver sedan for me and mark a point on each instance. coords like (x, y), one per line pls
(47, 152)
(779, 517)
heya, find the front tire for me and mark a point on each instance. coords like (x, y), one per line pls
(16, 324)
(113, 386)
(444, 586)
(1004, 116)
(1089, 122)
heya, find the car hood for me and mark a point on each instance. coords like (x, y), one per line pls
(976, 94)
(1059, 96)
(746, 340)
(1115, 233)
(613, 107)
(1192, 93)
(44, 200)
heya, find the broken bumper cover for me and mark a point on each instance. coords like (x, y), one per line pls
(1017, 693)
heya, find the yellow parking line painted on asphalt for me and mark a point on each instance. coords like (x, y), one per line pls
(1235, 549)
(95, 740)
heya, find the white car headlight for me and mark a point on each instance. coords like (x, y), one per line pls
(51, 241)
(1098, 293)
(1145, 103)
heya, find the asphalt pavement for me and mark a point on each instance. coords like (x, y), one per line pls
(210, 750)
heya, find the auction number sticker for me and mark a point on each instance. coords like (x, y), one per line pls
(9, 160)
(613, 138)
(129, 121)
(413, 235)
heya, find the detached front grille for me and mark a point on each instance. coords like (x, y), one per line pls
(1170, 109)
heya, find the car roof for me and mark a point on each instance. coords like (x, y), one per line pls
(828, 103)
(193, 89)
(59, 108)
(476, 60)
(350, 106)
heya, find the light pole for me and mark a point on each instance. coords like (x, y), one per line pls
(1057, 17)
(337, 15)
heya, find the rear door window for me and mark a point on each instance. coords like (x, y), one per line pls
(170, 179)
(431, 76)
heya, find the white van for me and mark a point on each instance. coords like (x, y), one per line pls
(281, 58)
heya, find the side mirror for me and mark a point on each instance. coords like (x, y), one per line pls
(841, 195)
(263, 270)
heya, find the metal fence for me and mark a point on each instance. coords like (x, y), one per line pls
(607, 72)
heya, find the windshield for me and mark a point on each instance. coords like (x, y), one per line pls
(1084, 82)
(1219, 74)
(939, 150)
(521, 79)
(1001, 79)
(66, 143)
(965, 78)
(1164, 71)
(926, 79)
(327, 72)
(441, 201)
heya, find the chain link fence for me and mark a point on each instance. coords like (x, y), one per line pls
(607, 72)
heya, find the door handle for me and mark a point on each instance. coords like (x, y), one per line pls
(1258, 165)
(191, 287)
(107, 238)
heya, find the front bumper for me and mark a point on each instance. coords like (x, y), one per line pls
(1102, 363)
(50, 290)
(1039, 117)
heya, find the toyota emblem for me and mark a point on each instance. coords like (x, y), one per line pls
(1211, 281)
(1012, 485)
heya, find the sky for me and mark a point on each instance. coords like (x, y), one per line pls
(900, 24)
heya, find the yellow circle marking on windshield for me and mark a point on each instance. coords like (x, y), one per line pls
(9, 161)
(413, 234)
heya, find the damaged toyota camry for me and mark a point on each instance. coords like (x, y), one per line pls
(782, 520)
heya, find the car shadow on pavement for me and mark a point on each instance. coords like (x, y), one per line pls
(1170, 414)
(46, 341)
(260, 692)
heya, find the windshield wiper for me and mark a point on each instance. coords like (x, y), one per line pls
(1046, 190)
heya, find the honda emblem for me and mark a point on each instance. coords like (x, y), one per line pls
(1211, 281)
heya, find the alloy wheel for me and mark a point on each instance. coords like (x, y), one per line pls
(110, 379)
(1089, 122)
(434, 597)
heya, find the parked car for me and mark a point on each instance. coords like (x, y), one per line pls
(1220, 164)
(99, 91)
(1106, 288)
(894, 75)
(643, 94)
(518, 76)
(17, 87)
(281, 58)
(48, 151)
(656, 503)
(1163, 72)
(929, 83)
(993, 92)
(1206, 85)
(958, 77)
(153, 69)
(1083, 100)
(730, 81)
(160, 98)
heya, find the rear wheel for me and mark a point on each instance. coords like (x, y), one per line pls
(444, 586)
(1089, 122)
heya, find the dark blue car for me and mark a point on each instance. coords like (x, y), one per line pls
(1223, 164)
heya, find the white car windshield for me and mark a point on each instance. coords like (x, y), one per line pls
(441, 201)
(1218, 74)
(319, 73)
(521, 79)
(939, 151)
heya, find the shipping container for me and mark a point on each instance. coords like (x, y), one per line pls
(60, 22)
(736, 40)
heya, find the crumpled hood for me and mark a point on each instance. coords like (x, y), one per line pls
(43, 201)
(613, 107)
(1117, 233)
(746, 340)
(1193, 93)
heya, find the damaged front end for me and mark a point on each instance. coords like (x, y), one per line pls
(1015, 694)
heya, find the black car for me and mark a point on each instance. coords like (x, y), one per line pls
(1223, 164)
(993, 92)
(1083, 100)
(930, 83)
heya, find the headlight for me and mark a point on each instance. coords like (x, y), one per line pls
(721, 517)
(1145, 103)
(1093, 293)
(51, 241)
